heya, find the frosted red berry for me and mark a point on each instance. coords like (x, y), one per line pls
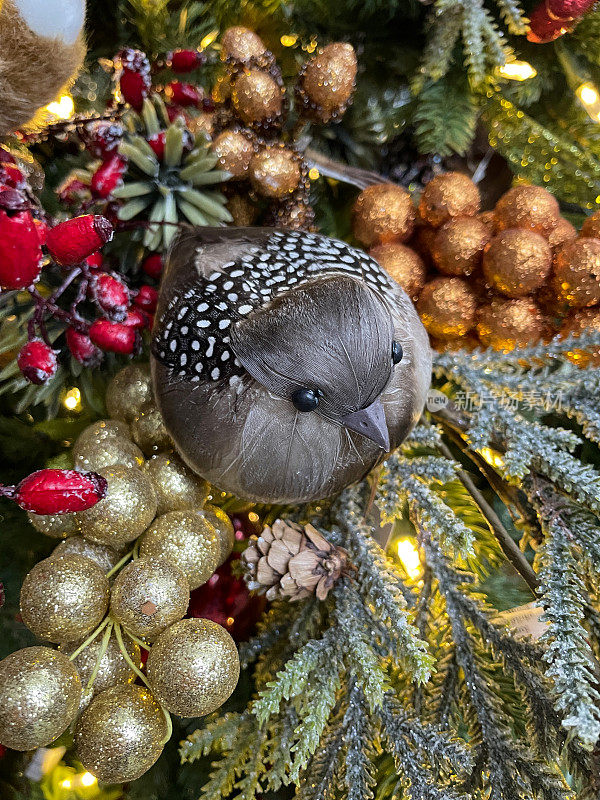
(183, 61)
(13, 199)
(185, 95)
(108, 176)
(157, 143)
(82, 348)
(73, 191)
(20, 251)
(11, 175)
(60, 491)
(146, 299)
(137, 318)
(71, 242)
(114, 337)
(111, 295)
(135, 79)
(102, 138)
(37, 362)
(96, 260)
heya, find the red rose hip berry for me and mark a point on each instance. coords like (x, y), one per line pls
(82, 348)
(37, 361)
(71, 242)
(20, 252)
(60, 491)
(114, 337)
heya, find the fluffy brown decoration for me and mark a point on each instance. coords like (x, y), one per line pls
(33, 69)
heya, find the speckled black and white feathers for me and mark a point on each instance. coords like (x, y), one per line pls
(194, 335)
(246, 319)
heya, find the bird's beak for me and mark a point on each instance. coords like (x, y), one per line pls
(370, 422)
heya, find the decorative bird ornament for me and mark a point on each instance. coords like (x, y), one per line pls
(285, 364)
(41, 51)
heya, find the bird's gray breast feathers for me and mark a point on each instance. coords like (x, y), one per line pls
(193, 333)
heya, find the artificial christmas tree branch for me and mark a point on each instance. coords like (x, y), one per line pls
(507, 543)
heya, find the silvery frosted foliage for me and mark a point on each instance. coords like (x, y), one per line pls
(536, 408)
(412, 686)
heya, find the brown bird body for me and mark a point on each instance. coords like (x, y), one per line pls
(285, 364)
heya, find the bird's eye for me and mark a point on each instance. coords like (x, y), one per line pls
(397, 352)
(305, 399)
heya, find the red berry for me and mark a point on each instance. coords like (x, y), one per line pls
(226, 600)
(157, 143)
(60, 491)
(42, 229)
(176, 112)
(82, 348)
(184, 94)
(71, 242)
(73, 191)
(568, 9)
(20, 252)
(11, 175)
(37, 361)
(146, 299)
(102, 138)
(6, 157)
(544, 28)
(96, 260)
(114, 337)
(111, 296)
(108, 176)
(183, 61)
(135, 80)
(137, 318)
(13, 199)
(153, 266)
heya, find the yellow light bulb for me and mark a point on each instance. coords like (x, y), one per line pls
(62, 108)
(588, 94)
(253, 517)
(208, 39)
(72, 400)
(517, 71)
(313, 173)
(409, 556)
(289, 40)
(590, 99)
(87, 779)
(66, 784)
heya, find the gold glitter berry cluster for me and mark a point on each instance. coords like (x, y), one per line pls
(254, 135)
(503, 278)
(118, 583)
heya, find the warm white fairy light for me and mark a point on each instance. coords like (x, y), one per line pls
(517, 71)
(589, 99)
(409, 556)
(72, 400)
(208, 39)
(87, 779)
(62, 108)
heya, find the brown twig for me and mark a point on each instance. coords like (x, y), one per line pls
(503, 537)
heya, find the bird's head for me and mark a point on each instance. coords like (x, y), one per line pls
(326, 348)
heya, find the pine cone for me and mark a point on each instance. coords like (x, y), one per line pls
(293, 562)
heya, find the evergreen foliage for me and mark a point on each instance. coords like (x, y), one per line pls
(461, 705)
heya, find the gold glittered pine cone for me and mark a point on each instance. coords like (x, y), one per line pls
(292, 562)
